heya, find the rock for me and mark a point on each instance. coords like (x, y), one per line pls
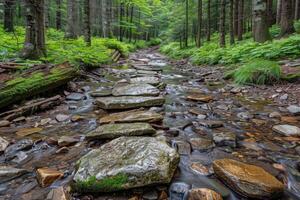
(287, 130)
(211, 123)
(200, 97)
(4, 123)
(151, 195)
(62, 117)
(102, 93)
(58, 194)
(183, 147)
(75, 97)
(12, 150)
(201, 144)
(204, 194)
(3, 144)
(245, 116)
(289, 119)
(62, 150)
(125, 163)
(248, 180)
(111, 131)
(117, 103)
(274, 115)
(132, 116)
(284, 97)
(23, 132)
(45, 121)
(141, 89)
(179, 190)
(157, 64)
(225, 139)
(146, 68)
(200, 169)
(294, 109)
(148, 80)
(47, 176)
(66, 141)
(8, 173)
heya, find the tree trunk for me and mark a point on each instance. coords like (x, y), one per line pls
(199, 27)
(58, 14)
(87, 23)
(278, 14)
(8, 15)
(231, 29)
(222, 23)
(71, 21)
(260, 28)
(240, 20)
(131, 23)
(34, 46)
(186, 23)
(270, 12)
(296, 9)
(208, 19)
(235, 17)
(286, 22)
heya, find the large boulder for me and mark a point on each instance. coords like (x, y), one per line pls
(111, 131)
(141, 89)
(124, 163)
(128, 102)
(248, 180)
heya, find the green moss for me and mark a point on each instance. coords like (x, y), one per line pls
(93, 185)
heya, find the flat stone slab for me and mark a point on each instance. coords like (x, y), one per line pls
(111, 131)
(147, 79)
(132, 116)
(8, 173)
(145, 72)
(141, 89)
(248, 180)
(125, 163)
(200, 97)
(147, 68)
(287, 130)
(128, 102)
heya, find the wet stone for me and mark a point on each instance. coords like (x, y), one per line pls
(12, 150)
(200, 169)
(245, 116)
(126, 102)
(62, 117)
(148, 80)
(248, 180)
(132, 116)
(183, 147)
(102, 93)
(3, 144)
(47, 176)
(179, 190)
(294, 109)
(111, 131)
(141, 89)
(130, 162)
(75, 97)
(211, 123)
(225, 139)
(204, 194)
(151, 195)
(287, 130)
(202, 144)
(58, 194)
(274, 115)
(200, 97)
(66, 141)
(8, 173)
(4, 123)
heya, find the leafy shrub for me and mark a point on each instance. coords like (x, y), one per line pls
(297, 26)
(154, 42)
(257, 71)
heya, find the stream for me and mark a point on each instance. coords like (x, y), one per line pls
(205, 118)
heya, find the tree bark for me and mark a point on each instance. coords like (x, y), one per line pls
(260, 28)
(240, 20)
(71, 21)
(34, 46)
(8, 15)
(208, 19)
(58, 14)
(296, 9)
(278, 13)
(186, 39)
(235, 16)
(270, 13)
(231, 25)
(286, 22)
(222, 23)
(87, 23)
(199, 27)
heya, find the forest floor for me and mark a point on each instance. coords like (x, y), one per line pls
(204, 117)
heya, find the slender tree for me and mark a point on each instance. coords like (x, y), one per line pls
(260, 28)
(278, 13)
(58, 15)
(9, 15)
(186, 39)
(208, 19)
(87, 23)
(231, 22)
(286, 22)
(72, 19)
(34, 46)
(297, 9)
(222, 23)
(240, 19)
(199, 27)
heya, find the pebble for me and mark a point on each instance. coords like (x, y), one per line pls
(204, 194)
(75, 97)
(4, 123)
(284, 97)
(275, 115)
(245, 116)
(62, 117)
(201, 144)
(294, 109)
(3, 144)
(225, 139)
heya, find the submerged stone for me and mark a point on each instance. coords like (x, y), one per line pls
(127, 102)
(125, 163)
(287, 130)
(248, 180)
(225, 139)
(111, 131)
(132, 116)
(148, 79)
(141, 89)
(8, 173)
(201, 144)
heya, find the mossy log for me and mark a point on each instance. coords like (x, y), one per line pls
(38, 82)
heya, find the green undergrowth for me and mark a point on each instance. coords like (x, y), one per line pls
(105, 185)
(257, 71)
(74, 51)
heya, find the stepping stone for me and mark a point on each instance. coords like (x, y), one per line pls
(201, 144)
(47, 176)
(128, 102)
(287, 130)
(157, 64)
(148, 79)
(128, 162)
(203, 194)
(147, 72)
(293, 109)
(132, 116)
(75, 97)
(135, 90)
(225, 139)
(146, 68)
(200, 97)
(111, 131)
(248, 180)
(198, 168)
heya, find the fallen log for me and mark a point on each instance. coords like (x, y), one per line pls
(35, 83)
(32, 107)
